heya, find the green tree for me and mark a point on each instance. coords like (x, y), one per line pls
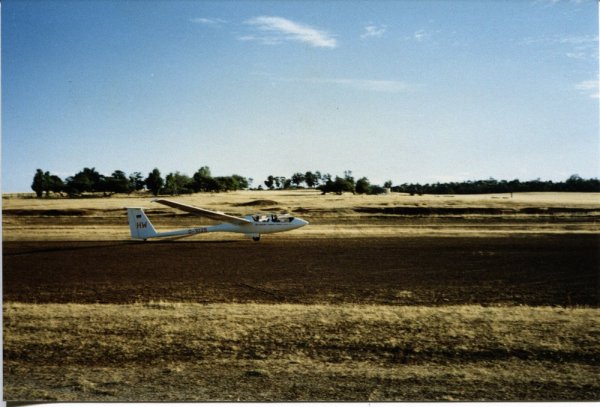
(363, 186)
(44, 182)
(56, 184)
(226, 184)
(574, 183)
(39, 183)
(203, 181)
(96, 179)
(136, 181)
(270, 181)
(240, 182)
(342, 185)
(204, 171)
(87, 180)
(376, 190)
(177, 183)
(319, 177)
(312, 180)
(117, 183)
(298, 178)
(170, 184)
(339, 186)
(154, 182)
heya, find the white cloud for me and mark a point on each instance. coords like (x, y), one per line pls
(577, 55)
(577, 39)
(421, 35)
(592, 88)
(282, 29)
(573, 46)
(208, 21)
(369, 85)
(551, 3)
(373, 31)
(555, 39)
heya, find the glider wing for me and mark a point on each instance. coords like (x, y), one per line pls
(220, 216)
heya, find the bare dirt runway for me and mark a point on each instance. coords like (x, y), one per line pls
(531, 270)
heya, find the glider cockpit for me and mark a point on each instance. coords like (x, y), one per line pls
(273, 218)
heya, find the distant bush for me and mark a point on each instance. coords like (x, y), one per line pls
(376, 190)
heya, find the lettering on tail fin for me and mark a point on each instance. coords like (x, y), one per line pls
(139, 224)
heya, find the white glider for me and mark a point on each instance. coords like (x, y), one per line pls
(252, 225)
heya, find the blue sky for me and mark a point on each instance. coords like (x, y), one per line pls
(412, 91)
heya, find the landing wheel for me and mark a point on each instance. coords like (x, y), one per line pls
(256, 238)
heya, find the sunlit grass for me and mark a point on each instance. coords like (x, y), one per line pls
(329, 215)
(448, 347)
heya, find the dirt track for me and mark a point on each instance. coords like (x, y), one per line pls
(532, 270)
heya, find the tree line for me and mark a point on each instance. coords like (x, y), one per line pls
(574, 183)
(325, 183)
(175, 183)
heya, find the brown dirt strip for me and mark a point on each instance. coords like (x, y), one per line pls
(531, 270)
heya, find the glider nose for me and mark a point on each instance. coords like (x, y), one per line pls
(303, 222)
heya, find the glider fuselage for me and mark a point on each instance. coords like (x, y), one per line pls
(251, 225)
(256, 227)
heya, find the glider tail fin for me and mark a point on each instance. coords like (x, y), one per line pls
(139, 224)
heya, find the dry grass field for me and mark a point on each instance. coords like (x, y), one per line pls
(390, 297)
(26, 218)
(182, 351)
